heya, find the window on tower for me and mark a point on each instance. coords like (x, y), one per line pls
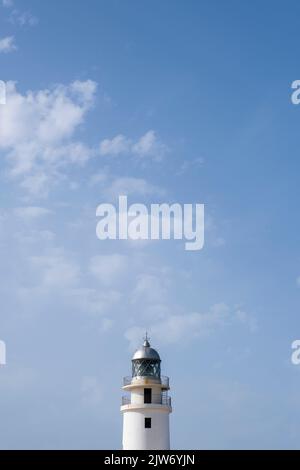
(147, 395)
(148, 423)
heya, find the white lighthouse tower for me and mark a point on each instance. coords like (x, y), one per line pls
(147, 406)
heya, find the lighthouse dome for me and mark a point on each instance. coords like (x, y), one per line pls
(146, 352)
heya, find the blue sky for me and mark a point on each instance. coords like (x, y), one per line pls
(169, 101)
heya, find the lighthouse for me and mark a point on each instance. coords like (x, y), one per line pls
(146, 407)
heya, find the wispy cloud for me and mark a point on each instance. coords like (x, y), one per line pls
(7, 45)
(148, 146)
(119, 145)
(185, 327)
(31, 212)
(17, 16)
(56, 270)
(23, 18)
(190, 165)
(130, 185)
(109, 268)
(150, 288)
(7, 3)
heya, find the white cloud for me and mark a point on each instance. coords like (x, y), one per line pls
(7, 44)
(186, 327)
(85, 90)
(246, 319)
(61, 278)
(149, 288)
(98, 178)
(36, 184)
(93, 301)
(56, 270)
(108, 268)
(37, 129)
(37, 121)
(119, 145)
(148, 146)
(35, 237)
(127, 186)
(77, 153)
(192, 325)
(31, 212)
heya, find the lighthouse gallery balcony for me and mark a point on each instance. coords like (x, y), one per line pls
(142, 380)
(165, 401)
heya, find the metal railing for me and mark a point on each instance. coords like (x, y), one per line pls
(163, 380)
(126, 401)
(165, 400)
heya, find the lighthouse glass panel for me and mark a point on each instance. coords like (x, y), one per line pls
(146, 368)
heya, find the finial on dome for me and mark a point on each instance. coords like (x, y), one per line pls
(146, 340)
